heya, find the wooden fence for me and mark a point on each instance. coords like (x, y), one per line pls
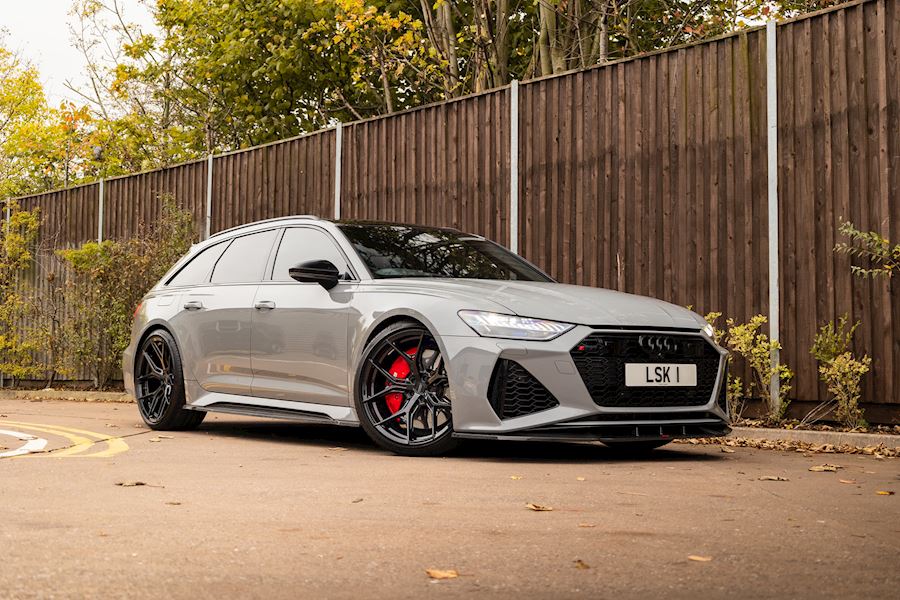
(648, 175)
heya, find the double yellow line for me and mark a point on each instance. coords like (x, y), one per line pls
(81, 440)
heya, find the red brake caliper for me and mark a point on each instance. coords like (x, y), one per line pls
(400, 370)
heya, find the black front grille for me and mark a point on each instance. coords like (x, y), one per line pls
(601, 357)
(514, 392)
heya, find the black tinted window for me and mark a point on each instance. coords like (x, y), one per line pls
(405, 251)
(301, 244)
(245, 259)
(198, 268)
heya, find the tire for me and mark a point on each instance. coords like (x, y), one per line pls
(159, 385)
(400, 393)
(637, 447)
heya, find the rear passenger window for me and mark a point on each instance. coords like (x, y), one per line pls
(245, 260)
(198, 268)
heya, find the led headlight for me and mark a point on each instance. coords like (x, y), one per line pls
(488, 324)
(710, 331)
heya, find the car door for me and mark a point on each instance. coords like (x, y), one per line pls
(214, 325)
(300, 333)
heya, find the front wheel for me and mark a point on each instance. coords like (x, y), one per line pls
(401, 392)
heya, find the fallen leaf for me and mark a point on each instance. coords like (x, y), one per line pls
(579, 479)
(825, 468)
(166, 437)
(130, 483)
(111, 425)
(155, 439)
(588, 525)
(727, 450)
(357, 500)
(884, 493)
(697, 558)
(538, 507)
(580, 564)
(773, 478)
(442, 573)
(174, 503)
(515, 477)
(337, 449)
(847, 480)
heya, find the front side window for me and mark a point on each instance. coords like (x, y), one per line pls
(301, 244)
(392, 251)
(245, 259)
(196, 270)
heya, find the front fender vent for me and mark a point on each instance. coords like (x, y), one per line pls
(514, 392)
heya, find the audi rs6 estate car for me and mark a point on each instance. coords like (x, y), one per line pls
(419, 335)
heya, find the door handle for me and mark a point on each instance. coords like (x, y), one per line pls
(264, 305)
(193, 305)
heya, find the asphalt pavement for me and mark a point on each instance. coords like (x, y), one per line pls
(95, 505)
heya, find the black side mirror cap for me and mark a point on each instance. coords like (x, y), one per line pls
(322, 272)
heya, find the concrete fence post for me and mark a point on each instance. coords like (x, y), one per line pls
(772, 175)
(100, 211)
(514, 166)
(338, 164)
(209, 194)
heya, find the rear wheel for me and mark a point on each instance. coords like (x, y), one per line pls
(401, 392)
(159, 384)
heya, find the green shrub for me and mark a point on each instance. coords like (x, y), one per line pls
(108, 280)
(841, 372)
(18, 239)
(871, 246)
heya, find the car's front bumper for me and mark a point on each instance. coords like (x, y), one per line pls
(575, 415)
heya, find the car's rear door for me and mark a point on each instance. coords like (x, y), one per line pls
(300, 335)
(213, 327)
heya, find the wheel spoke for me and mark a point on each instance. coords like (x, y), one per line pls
(160, 354)
(413, 367)
(393, 380)
(388, 390)
(148, 360)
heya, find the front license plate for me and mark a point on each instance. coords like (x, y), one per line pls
(660, 375)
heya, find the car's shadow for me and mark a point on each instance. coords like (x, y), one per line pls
(327, 436)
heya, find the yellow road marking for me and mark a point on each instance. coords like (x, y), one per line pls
(80, 438)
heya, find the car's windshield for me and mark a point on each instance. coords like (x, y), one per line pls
(392, 251)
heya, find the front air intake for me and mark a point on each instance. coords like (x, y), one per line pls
(514, 392)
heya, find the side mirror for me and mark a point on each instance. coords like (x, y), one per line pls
(322, 272)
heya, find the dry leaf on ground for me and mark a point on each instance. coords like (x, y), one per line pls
(727, 450)
(697, 558)
(826, 468)
(885, 493)
(515, 477)
(586, 525)
(847, 480)
(174, 503)
(442, 573)
(357, 500)
(773, 478)
(538, 507)
(337, 449)
(130, 483)
(579, 479)
(580, 564)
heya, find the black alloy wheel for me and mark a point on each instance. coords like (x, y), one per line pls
(159, 384)
(402, 392)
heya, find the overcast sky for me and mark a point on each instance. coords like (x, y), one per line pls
(39, 30)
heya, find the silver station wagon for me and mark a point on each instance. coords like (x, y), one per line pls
(421, 336)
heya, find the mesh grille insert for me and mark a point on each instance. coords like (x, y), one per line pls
(601, 357)
(514, 392)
